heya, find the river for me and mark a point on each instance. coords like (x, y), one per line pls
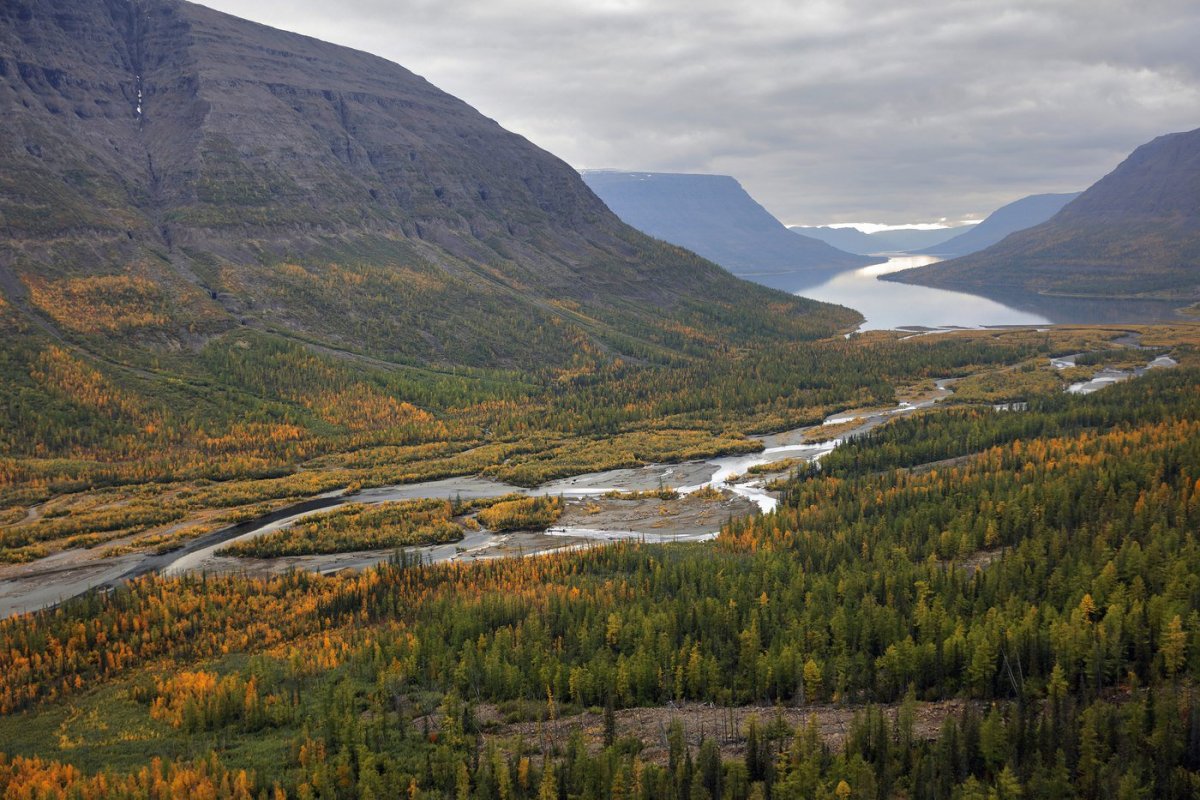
(72, 572)
(76, 571)
(723, 473)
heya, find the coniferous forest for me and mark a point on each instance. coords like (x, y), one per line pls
(1001, 603)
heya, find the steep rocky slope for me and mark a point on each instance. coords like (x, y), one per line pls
(168, 172)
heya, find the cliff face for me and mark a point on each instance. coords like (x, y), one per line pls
(1135, 234)
(155, 153)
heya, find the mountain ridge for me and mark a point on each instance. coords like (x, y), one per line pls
(851, 240)
(183, 173)
(1133, 235)
(898, 240)
(1009, 218)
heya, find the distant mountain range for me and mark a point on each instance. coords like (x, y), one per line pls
(713, 216)
(901, 240)
(947, 242)
(1134, 235)
(1016, 216)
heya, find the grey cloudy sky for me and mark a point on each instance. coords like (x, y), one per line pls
(885, 111)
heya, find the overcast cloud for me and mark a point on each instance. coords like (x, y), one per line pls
(867, 110)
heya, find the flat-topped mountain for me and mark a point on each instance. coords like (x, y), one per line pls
(1133, 234)
(168, 172)
(714, 216)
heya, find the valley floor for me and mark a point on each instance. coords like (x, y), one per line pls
(590, 516)
(993, 597)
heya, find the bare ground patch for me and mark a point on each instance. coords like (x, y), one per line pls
(684, 515)
(980, 559)
(727, 726)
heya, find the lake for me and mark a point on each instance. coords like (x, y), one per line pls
(888, 306)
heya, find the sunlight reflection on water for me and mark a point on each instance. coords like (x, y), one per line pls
(897, 305)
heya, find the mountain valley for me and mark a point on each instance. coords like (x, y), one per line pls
(352, 446)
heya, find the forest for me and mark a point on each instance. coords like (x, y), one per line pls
(387, 526)
(150, 451)
(1005, 603)
(357, 527)
(255, 282)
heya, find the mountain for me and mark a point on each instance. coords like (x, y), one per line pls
(714, 216)
(852, 240)
(900, 240)
(169, 173)
(1016, 216)
(1135, 234)
(907, 240)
